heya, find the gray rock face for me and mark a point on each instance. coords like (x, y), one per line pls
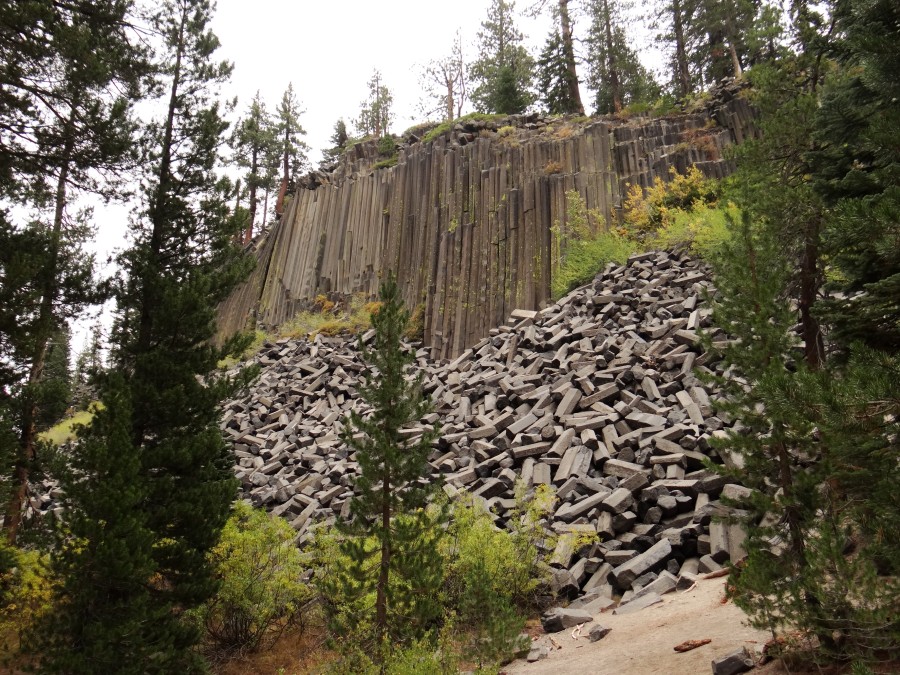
(738, 661)
(595, 395)
(558, 618)
(627, 572)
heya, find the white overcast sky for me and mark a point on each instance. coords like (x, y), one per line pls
(328, 50)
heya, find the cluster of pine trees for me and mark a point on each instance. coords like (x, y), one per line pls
(809, 286)
(149, 486)
(596, 42)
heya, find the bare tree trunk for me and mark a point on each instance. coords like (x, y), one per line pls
(682, 76)
(384, 568)
(45, 326)
(735, 61)
(254, 162)
(569, 54)
(814, 347)
(611, 61)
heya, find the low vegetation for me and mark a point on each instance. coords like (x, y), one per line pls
(583, 245)
(261, 590)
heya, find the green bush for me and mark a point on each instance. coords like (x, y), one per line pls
(703, 229)
(27, 592)
(490, 577)
(260, 570)
(583, 247)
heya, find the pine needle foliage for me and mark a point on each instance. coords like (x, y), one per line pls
(819, 448)
(391, 537)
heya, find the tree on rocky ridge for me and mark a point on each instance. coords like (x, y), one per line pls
(376, 111)
(616, 75)
(444, 83)
(254, 143)
(503, 70)
(293, 149)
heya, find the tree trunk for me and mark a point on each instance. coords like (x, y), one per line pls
(611, 61)
(682, 76)
(45, 326)
(254, 161)
(450, 99)
(814, 347)
(786, 483)
(735, 61)
(384, 567)
(149, 300)
(569, 54)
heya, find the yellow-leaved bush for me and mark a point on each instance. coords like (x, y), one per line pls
(687, 210)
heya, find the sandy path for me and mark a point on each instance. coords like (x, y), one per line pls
(642, 643)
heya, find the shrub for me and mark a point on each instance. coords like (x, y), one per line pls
(387, 146)
(336, 320)
(553, 167)
(27, 591)
(260, 571)
(415, 329)
(646, 213)
(584, 248)
(703, 229)
(490, 577)
(685, 211)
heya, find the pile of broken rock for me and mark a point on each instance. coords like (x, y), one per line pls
(597, 395)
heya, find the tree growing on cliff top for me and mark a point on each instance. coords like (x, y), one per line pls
(503, 71)
(376, 112)
(255, 142)
(444, 84)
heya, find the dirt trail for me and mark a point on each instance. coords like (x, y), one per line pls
(642, 643)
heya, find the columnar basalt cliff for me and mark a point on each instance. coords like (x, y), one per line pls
(465, 220)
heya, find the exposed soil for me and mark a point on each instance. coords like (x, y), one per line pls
(643, 643)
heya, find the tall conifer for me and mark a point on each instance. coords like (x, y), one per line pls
(403, 567)
(150, 487)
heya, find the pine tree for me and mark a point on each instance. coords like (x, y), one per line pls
(376, 112)
(56, 385)
(75, 137)
(553, 78)
(616, 74)
(856, 171)
(503, 71)
(819, 448)
(339, 139)
(150, 488)
(562, 18)
(292, 148)
(390, 535)
(254, 143)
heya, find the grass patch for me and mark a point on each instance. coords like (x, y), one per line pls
(339, 319)
(386, 163)
(64, 431)
(259, 337)
(583, 246)
(445, 127)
